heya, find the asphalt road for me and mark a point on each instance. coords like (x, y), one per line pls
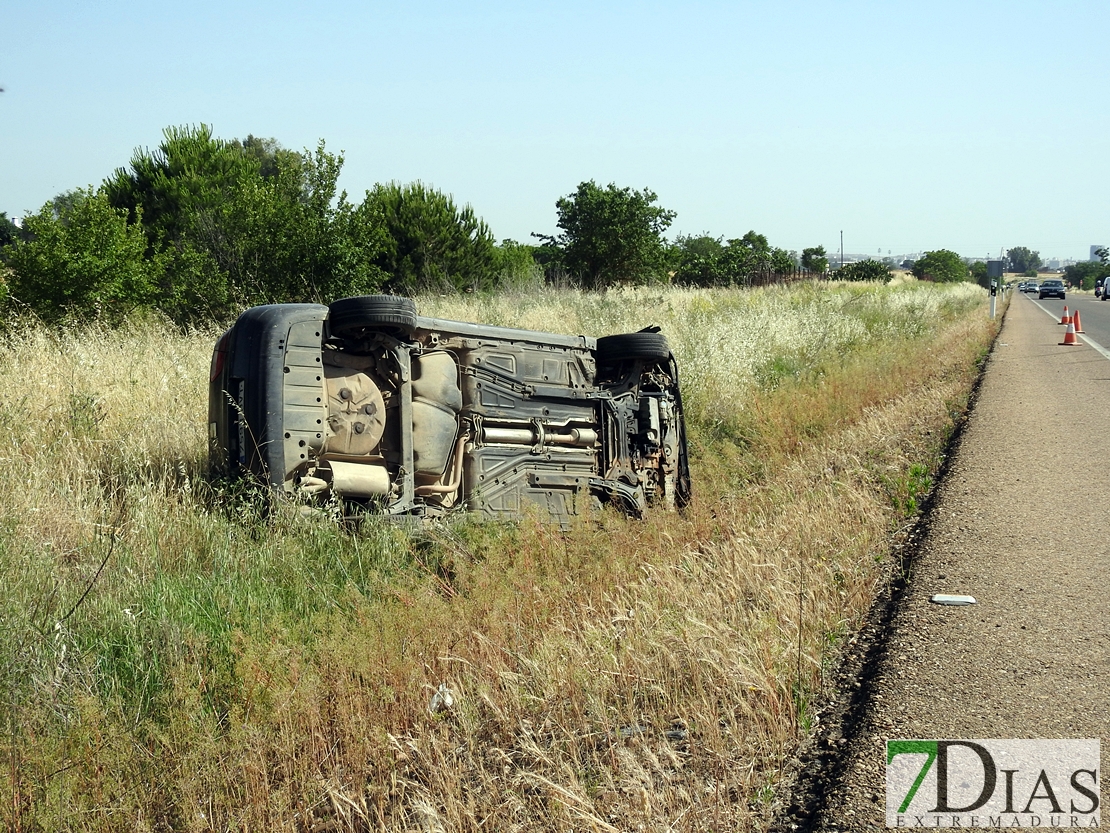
(1094, 315)
(1020, 524)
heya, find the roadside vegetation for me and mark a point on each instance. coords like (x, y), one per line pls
(1087, 273)
(177, 654)
(200, 228)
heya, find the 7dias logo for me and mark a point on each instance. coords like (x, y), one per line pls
(992, 783)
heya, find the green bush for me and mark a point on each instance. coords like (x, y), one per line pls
(429, 243)
(611, 235)
(865, 270)
(1085, 273)
(243, 223)
(979, 274)
(707, 261)
(941, 266)
(80, 258)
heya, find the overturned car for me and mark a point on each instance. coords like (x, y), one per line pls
(366, 402)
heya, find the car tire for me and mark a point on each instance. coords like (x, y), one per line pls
(349, 315)
(650, 346)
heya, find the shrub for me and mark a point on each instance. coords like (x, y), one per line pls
(1085, 273)
(941, 266)
(865, 270)
(82, 259)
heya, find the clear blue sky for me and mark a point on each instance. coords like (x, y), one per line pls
(971, 126)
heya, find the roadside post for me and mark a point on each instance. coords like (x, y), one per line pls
(994, 272)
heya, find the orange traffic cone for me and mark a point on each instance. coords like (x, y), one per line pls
(1075, 321)
(1066, 318)
(1069, 337)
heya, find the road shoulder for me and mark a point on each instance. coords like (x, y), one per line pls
(1017, 524)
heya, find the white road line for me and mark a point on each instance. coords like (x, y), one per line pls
(1105, 353)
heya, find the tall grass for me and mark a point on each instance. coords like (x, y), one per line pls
(173, 656)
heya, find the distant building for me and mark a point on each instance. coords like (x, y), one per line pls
(1094, 251)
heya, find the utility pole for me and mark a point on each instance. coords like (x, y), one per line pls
(842, 248)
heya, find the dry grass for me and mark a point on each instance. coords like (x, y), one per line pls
(171, 658)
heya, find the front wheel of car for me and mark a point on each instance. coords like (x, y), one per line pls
(349, 315)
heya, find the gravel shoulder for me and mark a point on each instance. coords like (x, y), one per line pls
(1019, 522)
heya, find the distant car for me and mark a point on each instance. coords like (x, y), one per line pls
(1021, 286)
(1052, 287)
(370, 405)
(1032, 287)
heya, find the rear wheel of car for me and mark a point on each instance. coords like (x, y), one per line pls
(349, 315)
(650, 346)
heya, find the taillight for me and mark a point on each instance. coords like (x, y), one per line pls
(219, 357)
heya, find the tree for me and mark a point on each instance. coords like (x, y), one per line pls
(695, 259)
(81, 258)
(292, 237)
(272, 158)
(707, 261)
(182, 186)
(749, 255)
(517, 267)
(611, 235)
(9, 231)
(1084, 273)
(753, 240)
(978, 271)
(864, 270)
(1022, 259)
(814, 259)
(428, 242)
(942, 266)
(246, 222)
